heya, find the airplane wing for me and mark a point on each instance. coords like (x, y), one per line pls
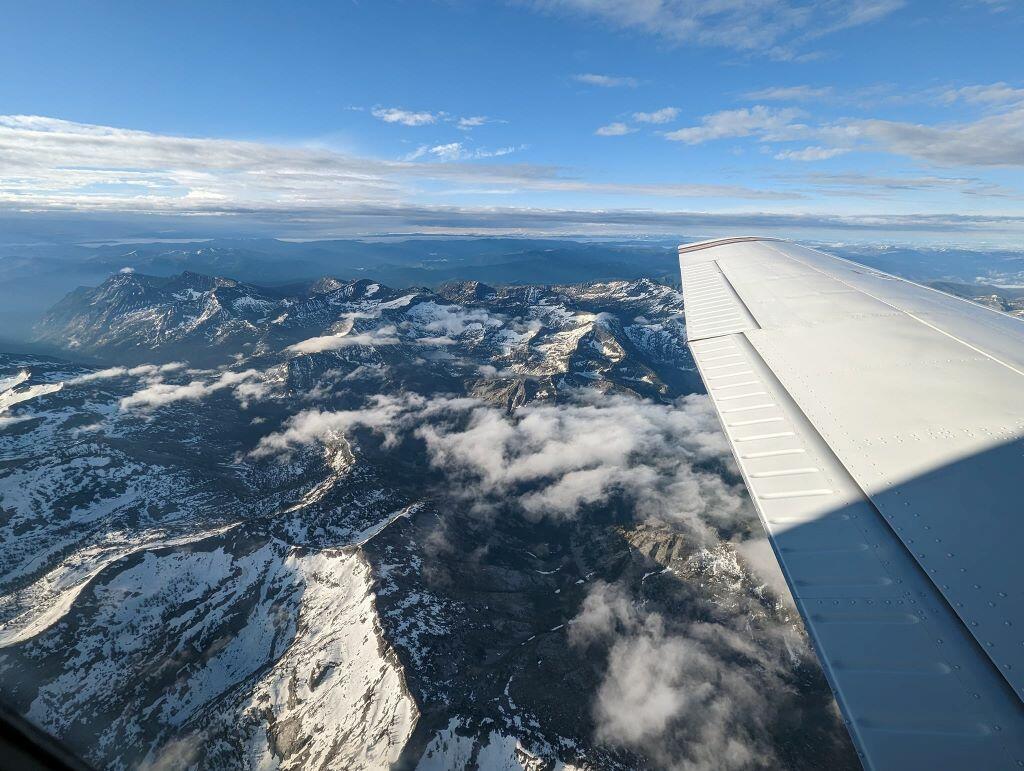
(879, 427)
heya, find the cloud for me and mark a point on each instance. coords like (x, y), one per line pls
(425, 118)
(811, 154)
(556, 460)
(761, 121)
(176, 753)
(471, 122)
(90, 179)
(995, 6)
(664, 115)
(404, 117)
(995, 140)
(606, 81)
(946, 228)
(142, 371)
(789, 94)
(776, 28)
(247, 385)
(56, 165)
(452, 151)
(696, 694)
(885, 185)
(990, 94)
(457, 151)
(450, 319)
(383, 413)
(614, 130)
(386, 335)
(312, 426)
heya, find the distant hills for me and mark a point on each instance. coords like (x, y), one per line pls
(34, 278)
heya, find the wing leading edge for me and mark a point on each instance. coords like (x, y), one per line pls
(878, 426)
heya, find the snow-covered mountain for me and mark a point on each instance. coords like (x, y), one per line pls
(339, 525)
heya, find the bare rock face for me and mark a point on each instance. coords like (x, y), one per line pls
(346, 526)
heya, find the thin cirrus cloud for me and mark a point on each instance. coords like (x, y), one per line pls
(606, 81)
(779, 29)
(458, 151)
(789, 94)
(885, 186)
(810, 154)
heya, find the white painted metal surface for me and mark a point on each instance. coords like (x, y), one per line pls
(878, 425)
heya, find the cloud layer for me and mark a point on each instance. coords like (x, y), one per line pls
(52, 164)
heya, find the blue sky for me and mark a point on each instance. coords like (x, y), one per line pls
(861, 120)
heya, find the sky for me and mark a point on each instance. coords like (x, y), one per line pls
(858, 120)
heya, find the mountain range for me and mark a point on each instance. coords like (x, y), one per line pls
(334, 524)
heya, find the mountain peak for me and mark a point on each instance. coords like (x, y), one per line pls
(466, 291)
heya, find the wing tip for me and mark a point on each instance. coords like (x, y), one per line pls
(698, 245)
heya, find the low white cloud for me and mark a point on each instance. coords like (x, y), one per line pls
(384, 413)
(554, 460)
(140, 371)
(614, 130)
(450, 319)
(436, 340)
(386, 335)
(312, 426)
(693, 694)
(605, 81)
(403, 117)
(664, 115)
(247, 385)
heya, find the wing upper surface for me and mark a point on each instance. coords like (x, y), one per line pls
(878, 425)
